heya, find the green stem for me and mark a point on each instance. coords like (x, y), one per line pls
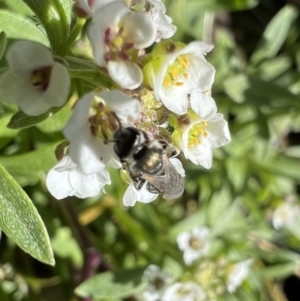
(79, 88)
(73, 35)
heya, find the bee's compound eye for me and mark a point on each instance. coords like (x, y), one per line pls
(125, 140)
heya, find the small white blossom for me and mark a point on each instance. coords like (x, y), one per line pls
(285, 215)
(157, 280)
(194, 244)
(206, 131)
(67, 179)
(238, 274)
(116, 34)
(189, 291)
(89, 154)
(163, 23)
(180, 71)
(35, 81)
(132, 195)
(86, 149)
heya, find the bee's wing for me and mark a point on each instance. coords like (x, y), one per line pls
(170, 184)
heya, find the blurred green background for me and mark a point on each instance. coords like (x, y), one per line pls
(257, 87)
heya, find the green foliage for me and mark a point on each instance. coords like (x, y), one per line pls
(257, 88)
(118, 284)
(20, 220)
(18, 27)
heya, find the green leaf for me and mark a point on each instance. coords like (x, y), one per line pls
(19, 7)
(88, 71)
(272, 68)
(18, 27)
(20, 220)
(6, 134)
(277, 96)
(33, 162)
(55, 16)
(235, 87)
(275, 34)
(21, 121)
(280, 271)
(117, 284)
(71, 250)
(2, 44)
(57, 122)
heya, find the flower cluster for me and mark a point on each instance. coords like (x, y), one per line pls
(211, 278)
(164, 95)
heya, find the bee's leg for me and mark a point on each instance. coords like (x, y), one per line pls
(138, 183)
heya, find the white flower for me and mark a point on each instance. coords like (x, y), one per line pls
(206, 131)
(88, 153)
(35, 81)
(194, 244)
(87, 149)
(67, 179)
(163, 23)
(116, 34)
(180, 71)
(189, 291)
(285, 215)
(238, 274)
(132, 195)
(157, 283)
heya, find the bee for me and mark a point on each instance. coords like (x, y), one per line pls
(148, 160)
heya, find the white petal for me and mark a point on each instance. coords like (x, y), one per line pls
(123, 105)
(198, 48)
(79, 118)
(218, 134)
(89, 185)
(127, 74)
(174, 98)
(178, 166)
(238, 275)
(200, 155)
(141, 29)
(59, 86)
(18, 90)
(202, 104)
(183, 240)
(201, 232)
(201, 73)
(158, 5)
(89, 152)
(130, 197)
(57, 180)
(144, 196)
(25, 56)
(165, 29)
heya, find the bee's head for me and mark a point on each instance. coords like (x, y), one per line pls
(125, 140)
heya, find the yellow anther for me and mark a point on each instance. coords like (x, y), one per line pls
(174, 73)
(186, 75)
(167, 82)
(204, 123)
(179, 84)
